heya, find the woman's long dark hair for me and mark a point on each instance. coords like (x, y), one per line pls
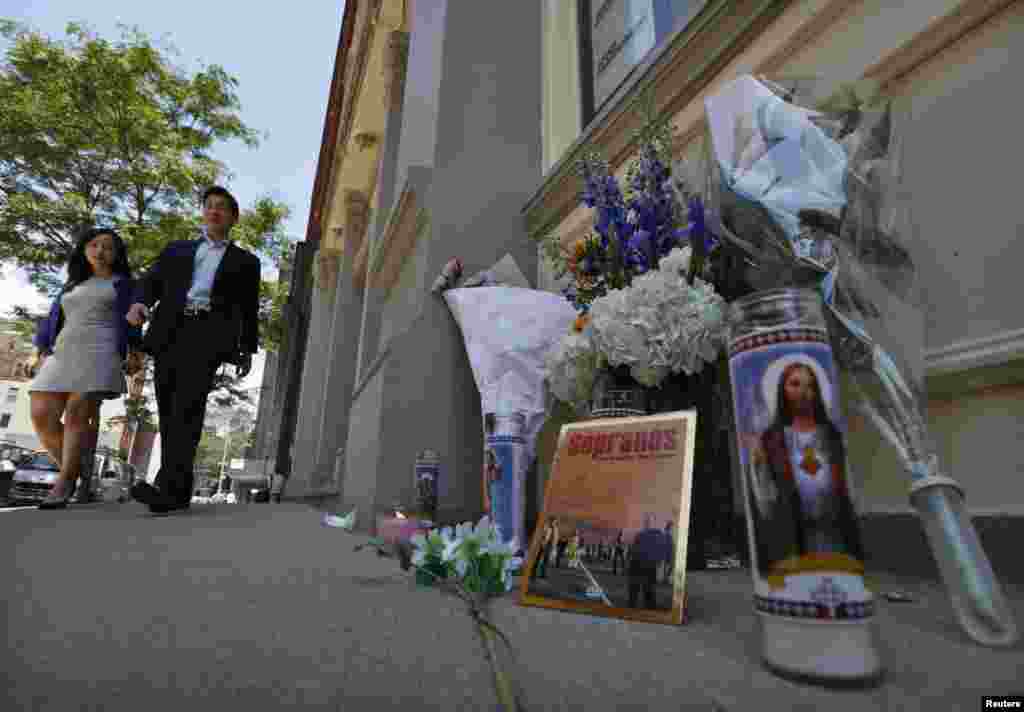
(79, 269)
(784, 417)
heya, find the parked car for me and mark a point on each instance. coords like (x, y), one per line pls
(33, 479)
(7, 468)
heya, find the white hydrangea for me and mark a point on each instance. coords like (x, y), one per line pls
(677, 261)
(572, 367)
(660, 324)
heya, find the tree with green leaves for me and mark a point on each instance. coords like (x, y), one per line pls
(212, 446)
(99, 132)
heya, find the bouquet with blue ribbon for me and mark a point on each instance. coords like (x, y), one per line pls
(815, 197)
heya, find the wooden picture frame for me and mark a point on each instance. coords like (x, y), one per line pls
(615, 476)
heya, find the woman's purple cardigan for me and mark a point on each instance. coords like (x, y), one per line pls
(127, 335)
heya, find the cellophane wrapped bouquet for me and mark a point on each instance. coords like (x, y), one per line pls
(816, 197)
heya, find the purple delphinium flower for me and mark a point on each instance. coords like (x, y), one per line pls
(697, 232)
(601, 192)
(643, 228)
(652, 203)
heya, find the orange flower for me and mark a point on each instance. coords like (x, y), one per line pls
(579, 248)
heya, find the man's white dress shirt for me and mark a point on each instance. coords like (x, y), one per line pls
(208, 257)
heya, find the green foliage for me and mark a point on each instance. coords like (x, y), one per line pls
(210, 454)
(137, 409)
(655, 128)
(433, 569)
(106, 132)
(25, 322)
(273, 296)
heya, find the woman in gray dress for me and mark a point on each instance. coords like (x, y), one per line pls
(82, 353)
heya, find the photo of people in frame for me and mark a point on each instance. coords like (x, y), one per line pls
(793, 454)
(601, 564)
(611, 539)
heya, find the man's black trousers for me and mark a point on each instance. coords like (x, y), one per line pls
(183, 375)
(643, 578)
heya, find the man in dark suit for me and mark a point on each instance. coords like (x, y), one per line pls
(206, 294)
(650, 548)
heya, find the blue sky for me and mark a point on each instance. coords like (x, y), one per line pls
(281, 54)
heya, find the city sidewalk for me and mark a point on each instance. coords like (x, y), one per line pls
(261, 607)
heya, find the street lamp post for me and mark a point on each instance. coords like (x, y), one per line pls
(233, 423)
(224, 457)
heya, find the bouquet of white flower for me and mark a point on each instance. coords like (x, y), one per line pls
(659, 325)
(473, 563)
(473, 556)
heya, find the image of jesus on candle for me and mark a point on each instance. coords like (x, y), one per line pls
(800, 498)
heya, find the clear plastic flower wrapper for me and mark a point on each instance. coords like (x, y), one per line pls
(815, 198)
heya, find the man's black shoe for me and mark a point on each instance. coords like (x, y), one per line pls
(144, 492)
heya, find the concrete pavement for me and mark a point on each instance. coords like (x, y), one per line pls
(260, 607)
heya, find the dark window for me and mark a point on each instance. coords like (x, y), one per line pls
(617, 35)
(5, 420)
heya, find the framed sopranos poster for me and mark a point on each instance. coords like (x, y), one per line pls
(611, 539)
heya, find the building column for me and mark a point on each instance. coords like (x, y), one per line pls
(311, 400)
(265, 411)
(395, 62)
(293, 354)
(343, 349)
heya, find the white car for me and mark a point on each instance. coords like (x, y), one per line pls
(33, 479)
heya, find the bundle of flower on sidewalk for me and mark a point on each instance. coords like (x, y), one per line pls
(473, 563)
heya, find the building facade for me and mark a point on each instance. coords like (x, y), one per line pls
(16, 415)
(453, 130)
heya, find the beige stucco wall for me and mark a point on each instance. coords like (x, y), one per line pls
(959, 124)
(406, 296)
(977, 435)
(355, 166)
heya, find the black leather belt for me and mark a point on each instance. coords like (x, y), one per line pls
(197, 310)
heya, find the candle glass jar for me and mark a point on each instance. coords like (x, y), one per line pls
(806, 550)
